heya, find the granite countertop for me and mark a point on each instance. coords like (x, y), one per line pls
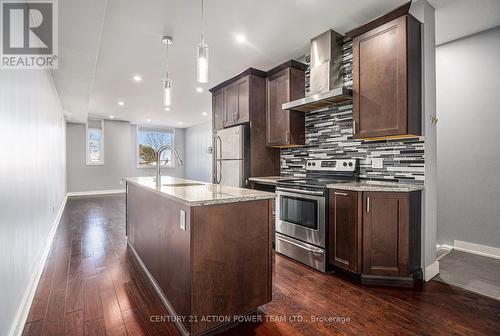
(377, 186)
(199, 194)
(268, 179)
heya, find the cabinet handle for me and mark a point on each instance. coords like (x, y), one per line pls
(354, 127)
(287, 135)
(368, 204)
(340, 194)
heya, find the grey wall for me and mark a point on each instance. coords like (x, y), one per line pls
(468, 107)
(119, 157)
(198, 162)
(32, 182)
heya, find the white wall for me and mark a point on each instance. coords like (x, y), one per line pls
(32, 182)
(198, 161)
(468, 107)
(119, 157)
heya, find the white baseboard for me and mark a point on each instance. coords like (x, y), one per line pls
(24, 308)
(448, 248)
(95, 192)
(482, 250)
(432, 270)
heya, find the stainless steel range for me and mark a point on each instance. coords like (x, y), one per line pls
(302, 210)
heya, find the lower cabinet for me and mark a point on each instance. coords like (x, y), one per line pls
(376, 234)
(345, 233)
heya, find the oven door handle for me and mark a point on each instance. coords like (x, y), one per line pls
(316, 252)
(299, 191)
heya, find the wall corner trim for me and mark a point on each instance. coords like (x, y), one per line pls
(95, 192)
(482, 250)
(21, 317)
(432, 270)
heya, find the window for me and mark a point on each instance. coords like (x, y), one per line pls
(95, 142)
(149, 140)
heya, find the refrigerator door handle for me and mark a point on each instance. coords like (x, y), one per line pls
(220, 172)
(219, 150)
(218, 177)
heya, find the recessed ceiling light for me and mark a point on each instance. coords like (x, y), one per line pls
(240, 38)
(121, 103)
(167, 108)
(180, 123)
(148, 120)
(111, 117)
(204, 113)
(137, 78)
(199, 89)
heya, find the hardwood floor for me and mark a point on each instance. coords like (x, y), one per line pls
(91, 286)
(471, 272)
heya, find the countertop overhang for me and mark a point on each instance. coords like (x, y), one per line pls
(271, 180)
(196, 193)
(377, 186)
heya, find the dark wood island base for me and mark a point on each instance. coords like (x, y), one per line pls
(212, 270)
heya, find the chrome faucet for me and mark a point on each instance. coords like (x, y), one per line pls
(158, 156)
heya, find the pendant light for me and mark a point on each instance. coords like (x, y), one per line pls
(202, 55)
(167, 82)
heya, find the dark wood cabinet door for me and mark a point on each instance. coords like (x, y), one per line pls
(385, 233)
(380, 81)
(278, 124)
(243, 92)
(230, 105)
(218, 110)
(344, 233)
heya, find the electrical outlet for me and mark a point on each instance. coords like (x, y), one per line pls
(377, 163)
(209, 150)
(183, 220)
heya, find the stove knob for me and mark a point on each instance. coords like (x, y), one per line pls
(314, 163)
(350, 164)
(309, 163)
(345, 164)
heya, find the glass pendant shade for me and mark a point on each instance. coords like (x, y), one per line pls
(167, 95)
(202, 62)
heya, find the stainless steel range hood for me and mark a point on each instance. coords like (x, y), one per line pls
(326, 85)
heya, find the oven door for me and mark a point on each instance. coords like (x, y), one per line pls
(301, 214)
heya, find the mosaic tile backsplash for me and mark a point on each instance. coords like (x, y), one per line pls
(329, 136)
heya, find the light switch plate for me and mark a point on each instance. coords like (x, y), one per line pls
(377, 163)
(183, 220)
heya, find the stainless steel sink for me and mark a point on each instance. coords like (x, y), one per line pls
(182, 184)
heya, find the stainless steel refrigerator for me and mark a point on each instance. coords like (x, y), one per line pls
(231, 156)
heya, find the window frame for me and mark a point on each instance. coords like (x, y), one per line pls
(170, 130)
(88, 162)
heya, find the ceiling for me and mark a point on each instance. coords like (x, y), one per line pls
(103, 44)
(459, 18)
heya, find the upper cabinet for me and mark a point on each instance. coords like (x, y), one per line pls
(285, 128)
(237, 102)
(237, 99)
(218, 110)
(387, 78)
(242, 100)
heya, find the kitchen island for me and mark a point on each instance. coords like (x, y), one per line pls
(206, 248)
